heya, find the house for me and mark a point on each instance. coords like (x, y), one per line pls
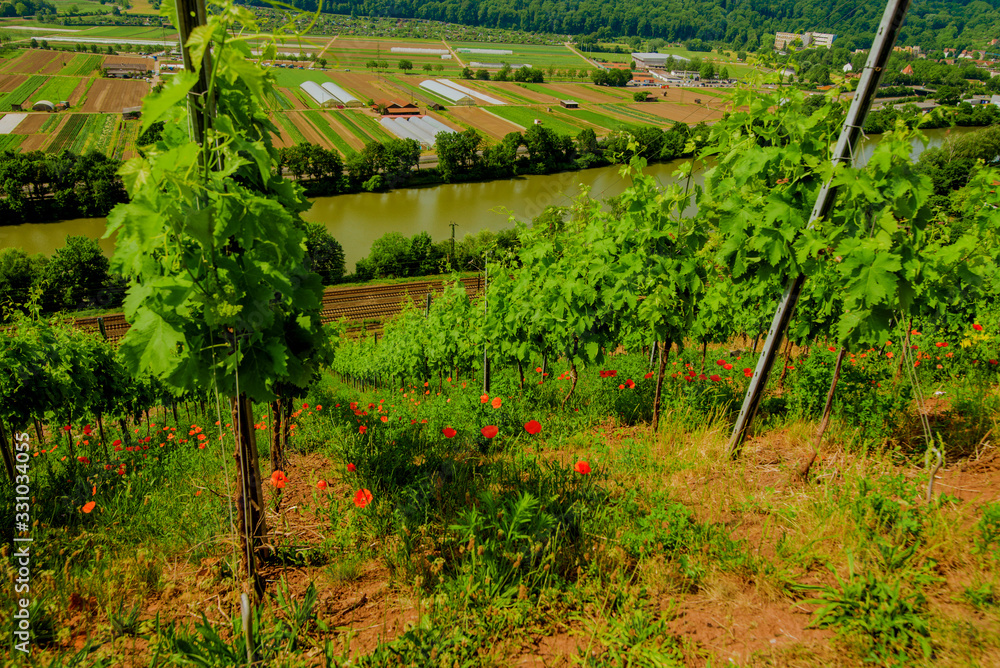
(908, 70)
(15, 107)
(569, 104)
(390, 108)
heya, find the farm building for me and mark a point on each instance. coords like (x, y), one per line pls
(419, 128)
(569, 104)
(397, 109)
(470, 92)
(43, 105)
(341, 95)
(122, 69)
(322, 96)
(488, 52)
(497, 66)
(131, 113)
(418, 52)
(446, 92)
(653, 60)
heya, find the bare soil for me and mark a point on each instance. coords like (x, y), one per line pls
(30, 125)
(34, 61)
(494, 126)
(79, 92)
(113, 95)
(312, 135)
(691, 114)
(9, 82)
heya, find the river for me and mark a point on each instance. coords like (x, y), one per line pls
(358, 219)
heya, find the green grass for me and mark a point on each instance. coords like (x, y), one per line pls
(504, 94)
(21, 94)
(598, 119)
(279, 101)
(318, 119)
(526, 115)
(56, 89)
(81, 65)
(647, 119)
(294, 78)
(127, 32)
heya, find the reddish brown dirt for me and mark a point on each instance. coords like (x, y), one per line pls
(79, 92)
(128, 60)
(367, 86)
(30, 125)
(9, 82)
(494, 126)
(113, 95)
(34, 142)
(514, 89)
(34, 62)
(56, 64)
(584, 93)
(691, 114)
(312, 135)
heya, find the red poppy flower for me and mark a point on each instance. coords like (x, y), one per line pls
(319, 407)
(747, 372)
(67, 428)
(93, 492)
(278, 479)
(362, 429)
(384, 418)
(449, 432)
(90, 505)
(483, 399)
(87, 431)
(496, 402)
(351, 468)
(362, 498)
(978, 328)
(727, 367)
(993, 362)
(83, 460)
(621, 387)
(117, 442)
(538, 369)
(648, 375)
(720, 362)
(630, 383)
(702, 376)
(941, 344)
(533, 427)
(489, 431)
(715, 378)
(354, 405)
(321, 484)
(582, 467)
(198, 493)
(305, 407)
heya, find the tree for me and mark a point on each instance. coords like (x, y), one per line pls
(76, 275)
(326, 255)
(640, 96)
(389, 257)
(440, 68)
(707, 71)
(482, 75)
(466, 72)
(405, 65)
(34, 42)
(428, 67)
(458, 156)
(18, 274)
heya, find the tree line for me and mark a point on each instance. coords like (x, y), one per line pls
(38, 186)
(751, 26)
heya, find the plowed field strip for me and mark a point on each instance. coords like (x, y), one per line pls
(375, 301)
(30, 125)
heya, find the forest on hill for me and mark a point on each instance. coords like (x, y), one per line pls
(930, 24)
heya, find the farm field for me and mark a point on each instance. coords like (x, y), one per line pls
(526, 116)
(113, 95)
(354, 53)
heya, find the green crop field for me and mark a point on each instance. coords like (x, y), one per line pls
(504, 94)
(642, 117)
(526, 116)
(20, 94)
(279, 101)
(598, 119)
(289, 127)
(70, 130)
(88, 133)
(56, 89)
(319, 119)
(128, 32)
(370, 125)
(348, 122)
(81, 65)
